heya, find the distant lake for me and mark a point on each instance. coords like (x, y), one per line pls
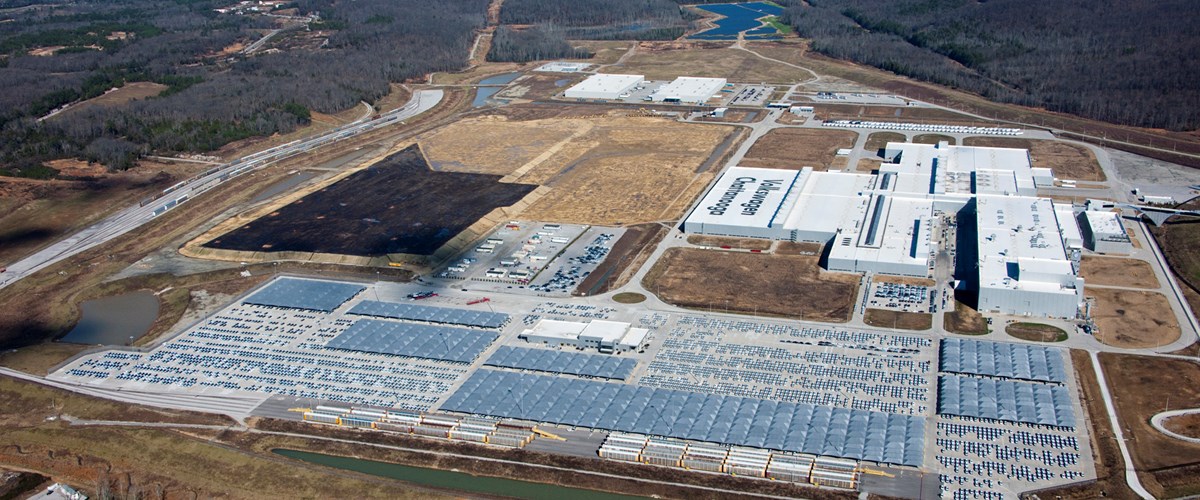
(740, 17)
(117, 320)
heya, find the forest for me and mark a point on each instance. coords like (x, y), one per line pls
(1129, 63)
(602, 19)
(211, 98)
(532, 44)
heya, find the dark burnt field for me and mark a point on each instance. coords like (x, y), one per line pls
(397, 205)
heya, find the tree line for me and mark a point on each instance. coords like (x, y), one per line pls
(210, 100)
(1121, 62)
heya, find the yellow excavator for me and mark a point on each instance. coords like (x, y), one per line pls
(874, 472)
(300, 410)
(547, 434)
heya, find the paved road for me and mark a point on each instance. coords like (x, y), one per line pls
(1157, 422)
(1130, 472)
(130, 218)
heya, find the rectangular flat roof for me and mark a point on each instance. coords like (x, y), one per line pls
(1020, 228)
(690, 88)
(749, 197)
(1104, 223)
(609, 83)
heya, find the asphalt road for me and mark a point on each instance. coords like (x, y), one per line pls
(132, 217)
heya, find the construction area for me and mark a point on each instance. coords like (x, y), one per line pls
(608, 169)
(396, 205)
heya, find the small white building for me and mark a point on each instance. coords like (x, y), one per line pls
(604, 86)
(1104, 232)
(1042, 177)
(604, 336)
(687, 89)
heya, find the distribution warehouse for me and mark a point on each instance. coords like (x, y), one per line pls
(603, 86)
(687, 89)
(1028, 247)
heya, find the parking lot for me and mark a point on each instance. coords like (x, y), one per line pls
(747, 95)
(899, 297)
(532, 258)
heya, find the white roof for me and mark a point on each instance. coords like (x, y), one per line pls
(903, 225)
(608, 83)
(553, 328)
(747, 197)
(827, 201)
(689, 88)
(1016, 232)
(1104, 223)
(607, 331)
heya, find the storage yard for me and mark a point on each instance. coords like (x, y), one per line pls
(394, 206)
(794, 148)
(746, 396)
(791, 286)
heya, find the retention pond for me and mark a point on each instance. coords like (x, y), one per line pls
(117, 320)
(458, 481)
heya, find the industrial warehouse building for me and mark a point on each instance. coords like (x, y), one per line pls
(1105, 233)
(689, 90)
(1028, 247)
(604, 336)
(603, 86)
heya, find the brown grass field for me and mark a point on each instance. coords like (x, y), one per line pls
(605, 51)
(901, 320)
(1115, 271)
(128, 92)
(964, 320)
(1035, 332)
(795, 148)
(764, 284)
(33, 213)
(1133, 320)
(1168, 467)
(668, 60)
(603, 168)
(738, 243)
(904, 280)
(878, 140)
(1187, 424)
(933, 139)
(797, 248)
(1068, 161)
(892, 113)
(1110, 469)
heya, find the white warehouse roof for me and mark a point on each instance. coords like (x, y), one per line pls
(689, 89)
(604, 86)
(746, 197)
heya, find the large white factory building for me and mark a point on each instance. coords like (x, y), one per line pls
(883, 223)
(604, 86)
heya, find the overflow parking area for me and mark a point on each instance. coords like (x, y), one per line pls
(714, 392)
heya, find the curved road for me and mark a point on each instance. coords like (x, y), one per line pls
(132, 217)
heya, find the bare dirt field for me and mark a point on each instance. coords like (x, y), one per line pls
(1068, 161)
(1133, 320)
(1141, 386)
(603, 167)
(868, 165)
(901, 320)
(1035, 332)
(904, 280)
(765, 284)
(798, 147)
(1115, 271)
(1187, 424)
(722, 242)
(668, 60)
(396, 205)
(964, 320)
